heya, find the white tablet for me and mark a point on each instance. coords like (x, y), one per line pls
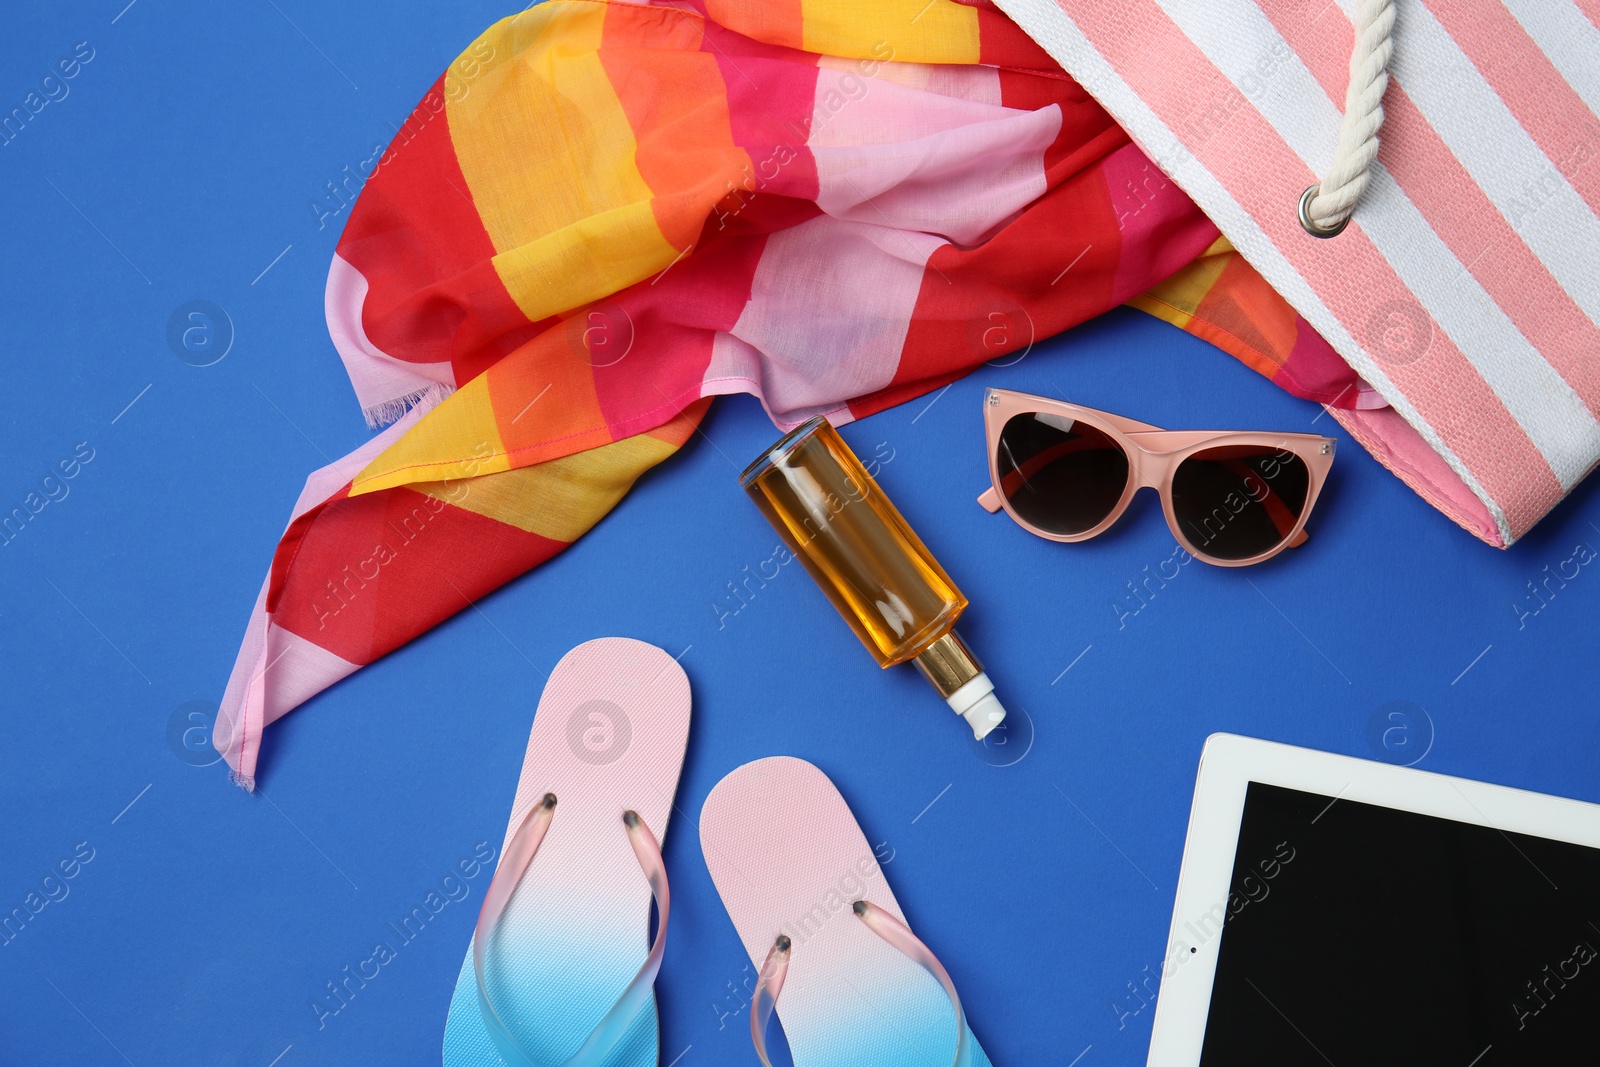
(1336, 911)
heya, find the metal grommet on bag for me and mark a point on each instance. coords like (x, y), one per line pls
(1310, 225)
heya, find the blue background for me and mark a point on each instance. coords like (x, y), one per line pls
(182, 162)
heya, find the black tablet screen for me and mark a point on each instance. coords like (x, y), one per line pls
(1362, 936)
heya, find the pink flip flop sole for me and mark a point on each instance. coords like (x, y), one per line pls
(788, 858)
(608, 737)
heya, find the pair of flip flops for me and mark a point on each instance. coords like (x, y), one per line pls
(562, 965)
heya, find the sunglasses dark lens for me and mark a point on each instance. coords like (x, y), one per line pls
(1059, 474)
(1238, 501)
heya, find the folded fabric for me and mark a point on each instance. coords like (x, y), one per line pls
(605, 214)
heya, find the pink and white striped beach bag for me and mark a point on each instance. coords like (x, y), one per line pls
(1459, 139)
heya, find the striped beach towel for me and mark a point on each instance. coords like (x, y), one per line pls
(605, 214)
(1466, 287)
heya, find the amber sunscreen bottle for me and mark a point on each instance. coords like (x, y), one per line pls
(889, 588)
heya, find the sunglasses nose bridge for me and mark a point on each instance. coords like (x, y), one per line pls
(1131, 503)
(1149, 469)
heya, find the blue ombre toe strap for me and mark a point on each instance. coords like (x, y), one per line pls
(519, 853)
(899, 937)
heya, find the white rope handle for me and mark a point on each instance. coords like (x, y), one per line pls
(1326, 207)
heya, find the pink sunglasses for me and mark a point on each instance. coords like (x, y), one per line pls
(1067, 472)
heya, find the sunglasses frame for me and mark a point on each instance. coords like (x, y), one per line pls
(1154, 455)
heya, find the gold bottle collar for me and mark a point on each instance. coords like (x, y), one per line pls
(948, 664)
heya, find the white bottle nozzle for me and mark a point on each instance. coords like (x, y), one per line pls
(975, 702)
(955, 672)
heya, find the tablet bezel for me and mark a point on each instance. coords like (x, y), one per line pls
(1228, 764)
